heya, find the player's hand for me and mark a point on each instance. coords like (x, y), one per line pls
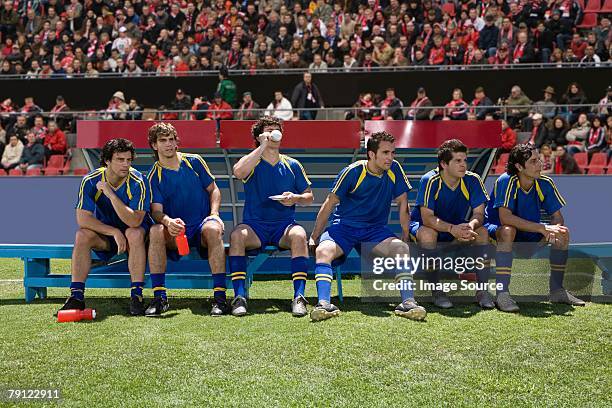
(175, 226)
(121, 242)
(553, 232)
(406, 236)
(105, 188)
(264, 139)
(289, 199)
(312, 243)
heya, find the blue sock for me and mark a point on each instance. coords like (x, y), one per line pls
(503, 269)
(137, 289)
(299, 269)
(558, 262)
(77, 290)
(219, 287)
(237, 266)
(323, 278)
(158, 282)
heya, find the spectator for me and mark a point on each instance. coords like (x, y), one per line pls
(382, 52)
(560, 28)
(590, 58)
(226, 87)
(117, 107)
(391, 106)
(12, 154)
(547, 106)
(517, 106)
(604, 107)
(488, 35)
(219, 109)
(331, 61)
(437, 53)
(557, 132)
(248, 108)
(364, 108)
(481, 106)
(564, 163)
(574, 96)
(33, 155)
(55, 140)
(280, 107)
(134, 111)
(547, 159)
(539, 132)
(39, 128)
(523, 51)
(8, 20)
(307, 98)
(418, 108)
(317, 65)
(543, 42)
(578, 134)
(30, 109)
(457, 108)
(508, 138)
(59, 113)
(19, 129)
(200, 108)
(181, 102)
(596, 140)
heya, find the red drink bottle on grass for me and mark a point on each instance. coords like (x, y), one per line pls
(182, 244)
(75, 315)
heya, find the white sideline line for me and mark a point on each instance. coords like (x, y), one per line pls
(10, 280)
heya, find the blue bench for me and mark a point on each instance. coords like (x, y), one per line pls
(191, 272)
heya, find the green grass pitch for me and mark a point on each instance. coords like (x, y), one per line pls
(545, 356)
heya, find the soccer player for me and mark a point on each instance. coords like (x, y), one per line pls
(361, 196)
(513, 215)
(111, 212)
(450, 207)
(186, 200)
(267, 219)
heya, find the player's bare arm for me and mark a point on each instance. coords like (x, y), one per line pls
(130, 217)
(86, 220)
(325, 211)
(404, 215)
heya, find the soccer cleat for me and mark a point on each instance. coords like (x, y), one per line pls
(324, 310)
(220, 309)
(72, 303)
(298, 306)
(485, 300)
(137, 307)
(441, 300)
(239, 306)
(505, 303)
(410, 309)
(563, 296)
(158, 306)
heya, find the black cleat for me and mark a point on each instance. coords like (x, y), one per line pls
(410, 309)
(72, 303)
(239, 306)
(324, 310)
(158, 306)
(220, 309)
(136, 306)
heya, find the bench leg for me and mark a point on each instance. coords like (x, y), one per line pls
(30, 294)
(252, 267)
(35, 267)
(41, 292)
(339, 282)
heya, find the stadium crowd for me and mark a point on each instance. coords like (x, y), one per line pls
(59, 38)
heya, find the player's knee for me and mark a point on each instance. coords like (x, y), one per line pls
(134, 236)
(506, 233)
(426, 235)
(156, 234)
(483, 235)
(298, 236)
(84, 237)
(324, 252)
(212, 232)
(238, 237)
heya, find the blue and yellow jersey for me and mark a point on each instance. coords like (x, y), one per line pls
(527, 205)
(134, 192)
(365, 198)
(183, 192)
(453, 205)
(266, 180)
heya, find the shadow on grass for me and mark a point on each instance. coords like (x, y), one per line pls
(545, 309)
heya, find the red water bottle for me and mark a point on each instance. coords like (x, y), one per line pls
(75, 315)
(182, 244)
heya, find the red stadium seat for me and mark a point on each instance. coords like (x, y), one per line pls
(2, 172)
(598, 164)
(80, 171)
(16, 172)
(52, 171)
(55, 162)
(597, 170)
(582, 159)
(33, 172)
(607, 7)
(592, 6)
(449, 8)
(588, 21)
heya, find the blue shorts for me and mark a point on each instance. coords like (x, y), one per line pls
(194, 238)
(348, 238)
(521, 236)
(442, 236)
(269, 233)
(108, 255)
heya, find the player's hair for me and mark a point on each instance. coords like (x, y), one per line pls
(259, 126)
(374, 141)
(161, 129)
(115, 146)
(446, 150)
(519, 155)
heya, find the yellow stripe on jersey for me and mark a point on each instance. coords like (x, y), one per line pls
(284, 160)
(428, 188)
(301, 168)
(513, 179)
(484, 190)
(202, 161)
(404, 175)
(539, 190)
(439, 188)
(391, 175)
(96, 173)
(344, 173)
(362, 177)
(464, 189)
(554, 186)
(143, 191)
